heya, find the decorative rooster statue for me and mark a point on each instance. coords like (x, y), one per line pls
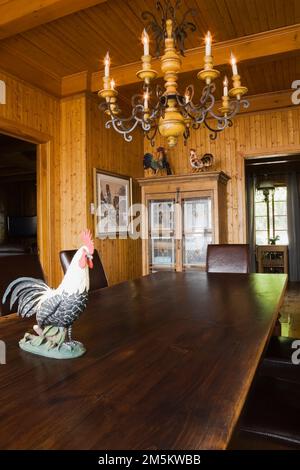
(157, 166)
(55, 309)
(200, 163)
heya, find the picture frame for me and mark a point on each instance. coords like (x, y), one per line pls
(112, 203)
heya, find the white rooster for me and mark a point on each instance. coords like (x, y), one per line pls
(58, 307)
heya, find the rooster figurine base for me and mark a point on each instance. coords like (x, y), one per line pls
(50, 342)
(55, 309)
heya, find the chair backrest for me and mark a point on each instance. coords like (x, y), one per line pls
(98, 278)
(12, 250)
(229, 258)
(12, 267)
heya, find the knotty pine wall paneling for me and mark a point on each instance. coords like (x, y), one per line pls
(73, 170)
(87, 144)
(34, 114)
(107, 150)
(261, 134)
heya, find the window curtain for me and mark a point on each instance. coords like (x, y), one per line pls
(250, 193)
(293, 213)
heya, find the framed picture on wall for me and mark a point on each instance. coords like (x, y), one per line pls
(113, 200)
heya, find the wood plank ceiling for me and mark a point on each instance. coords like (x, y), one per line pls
(45, 54)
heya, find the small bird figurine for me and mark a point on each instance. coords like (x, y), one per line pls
(150, 162)
(159, 165)
(200, 163)
(56, 307)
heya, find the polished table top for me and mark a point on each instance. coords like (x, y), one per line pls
(170, 359)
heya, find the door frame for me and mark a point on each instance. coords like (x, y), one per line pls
(282, 152)
(45, 178)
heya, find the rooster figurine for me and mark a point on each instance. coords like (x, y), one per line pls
(55, 309)
(200, 163)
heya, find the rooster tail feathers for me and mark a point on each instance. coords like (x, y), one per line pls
(25, 288)
(18, 281)
(27, 292)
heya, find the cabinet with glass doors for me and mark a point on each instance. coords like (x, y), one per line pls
(181, 216)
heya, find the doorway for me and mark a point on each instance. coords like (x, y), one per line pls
(45, 173)
(18, 195)
(273, 220)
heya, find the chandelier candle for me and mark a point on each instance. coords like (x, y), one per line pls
(237, 91)
(208, 44)
(106, 64)
(108, 92)
(209, 73)
(225, 84)
(233, 64)
(145, 40)
(146, 98)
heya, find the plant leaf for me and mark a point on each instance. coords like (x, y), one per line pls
(37, 341)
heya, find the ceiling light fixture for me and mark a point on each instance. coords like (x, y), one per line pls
(167, 111)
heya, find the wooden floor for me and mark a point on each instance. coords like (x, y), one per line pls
(290, 311)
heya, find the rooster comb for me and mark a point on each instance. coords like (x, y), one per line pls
(88, 241)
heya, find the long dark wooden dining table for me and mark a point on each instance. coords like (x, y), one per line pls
(170, 359)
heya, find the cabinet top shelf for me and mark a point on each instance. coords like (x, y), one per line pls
(213, 175)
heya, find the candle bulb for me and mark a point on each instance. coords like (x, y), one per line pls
(112, 84)
(225, 84)
(107, 64)
(146, 100)
(233, 64)
(208, 44)
(145, 41)
(187, 98)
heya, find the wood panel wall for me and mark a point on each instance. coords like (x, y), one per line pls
(108, 151)
(261, 134)
(32, 112)
(73, 161)
(86, 144)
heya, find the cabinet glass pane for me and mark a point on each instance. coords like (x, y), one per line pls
(161, 216)
(161, 236)
(197, 230)
(197, 214)
(195, 247)
(162, 252)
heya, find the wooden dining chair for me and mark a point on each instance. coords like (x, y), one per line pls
(13, 250)
(227, 258)
(98, 278)
(277, 361)
(270, 419)
(14, 266)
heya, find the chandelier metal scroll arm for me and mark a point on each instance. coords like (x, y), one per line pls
(214, 132)
(189, 92)
(234, 108)
(205, 106)
(125, 126)
(151, 136)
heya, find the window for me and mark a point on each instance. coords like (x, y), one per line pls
(271, 215)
